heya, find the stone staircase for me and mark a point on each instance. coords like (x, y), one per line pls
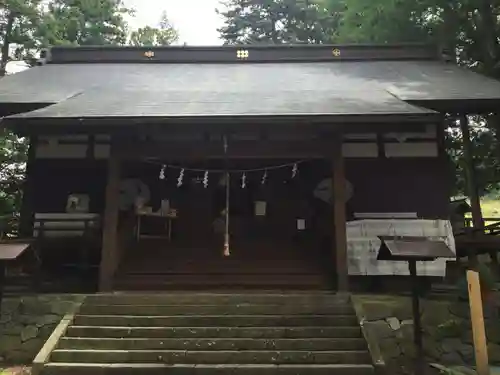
(186, 333)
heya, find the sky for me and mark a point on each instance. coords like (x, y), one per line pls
(196, 20)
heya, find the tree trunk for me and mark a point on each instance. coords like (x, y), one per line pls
(488, 40)
(6, 44)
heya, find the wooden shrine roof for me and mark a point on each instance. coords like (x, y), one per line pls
(328, 82)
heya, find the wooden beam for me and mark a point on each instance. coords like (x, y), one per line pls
(339, 216)
(109, 251)
(470, 171)
(196, 149)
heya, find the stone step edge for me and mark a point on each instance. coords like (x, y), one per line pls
(263, 293)
(163, 351)
(223, 339)
(230, 316)
(151, 328)
(319, 305)
(146, 366)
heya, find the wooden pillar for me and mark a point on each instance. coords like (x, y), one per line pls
(27, 204)
(470, 171)
(109, 250)
(339, 216)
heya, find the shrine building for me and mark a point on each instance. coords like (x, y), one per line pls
(237, 166)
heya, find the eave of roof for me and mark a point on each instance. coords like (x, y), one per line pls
(316, 83)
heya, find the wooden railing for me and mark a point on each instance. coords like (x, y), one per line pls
(9, 226)
(491, 227)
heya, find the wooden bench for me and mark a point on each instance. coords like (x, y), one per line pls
(9, 252)
(53, 232)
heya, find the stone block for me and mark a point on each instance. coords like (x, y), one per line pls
(5, 318)
(450, 345)
(62, 307)
(18, 356)
(435, 313)
(460, 309)
(467, 353)
(390, 349)
(493, 332)
(452, 358)
(406, 330)
(14, 328)
(46, 320)
(467, 337)
(432, 349)
(393, 323)
(377, 310)
(35, 306)
(9, 342)
(45, 331)
(28, 333)
(404, 309)
(380, 329)
(10, 305)
(454, 327)
(28, 319)
(32, 347)
(494, 353)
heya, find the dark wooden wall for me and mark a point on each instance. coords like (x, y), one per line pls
(400, 185)
(380, 185)
(55, 179)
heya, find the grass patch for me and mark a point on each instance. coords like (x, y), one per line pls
(490, 208)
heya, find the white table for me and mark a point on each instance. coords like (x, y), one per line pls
(168, 217)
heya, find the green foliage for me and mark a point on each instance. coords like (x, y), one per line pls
(163, 35)
(19, 20)
(276, 22)
(13, 151)
(25, 27)
(84, 22)
(486, 160)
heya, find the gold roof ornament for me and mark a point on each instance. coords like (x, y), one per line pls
(336, 52)
(149, 54)
(242, 54)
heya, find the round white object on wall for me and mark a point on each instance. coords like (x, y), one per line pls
(130, 190)
(324, 190)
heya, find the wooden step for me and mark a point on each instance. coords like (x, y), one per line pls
(183, 369)
(210, 357)
(160, 284)
(217, 332)
(216, 320)
(211, 344)
(221, 310)
(229, 280)
(262, 298)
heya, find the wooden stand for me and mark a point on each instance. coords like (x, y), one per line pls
(477, 319)
(169, 218)
(417, 324)
(9, 252)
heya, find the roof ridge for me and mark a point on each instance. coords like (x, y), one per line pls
(242, 53)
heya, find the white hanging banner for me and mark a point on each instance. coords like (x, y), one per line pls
(260, 208)
(301, 224)
(363, 245)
